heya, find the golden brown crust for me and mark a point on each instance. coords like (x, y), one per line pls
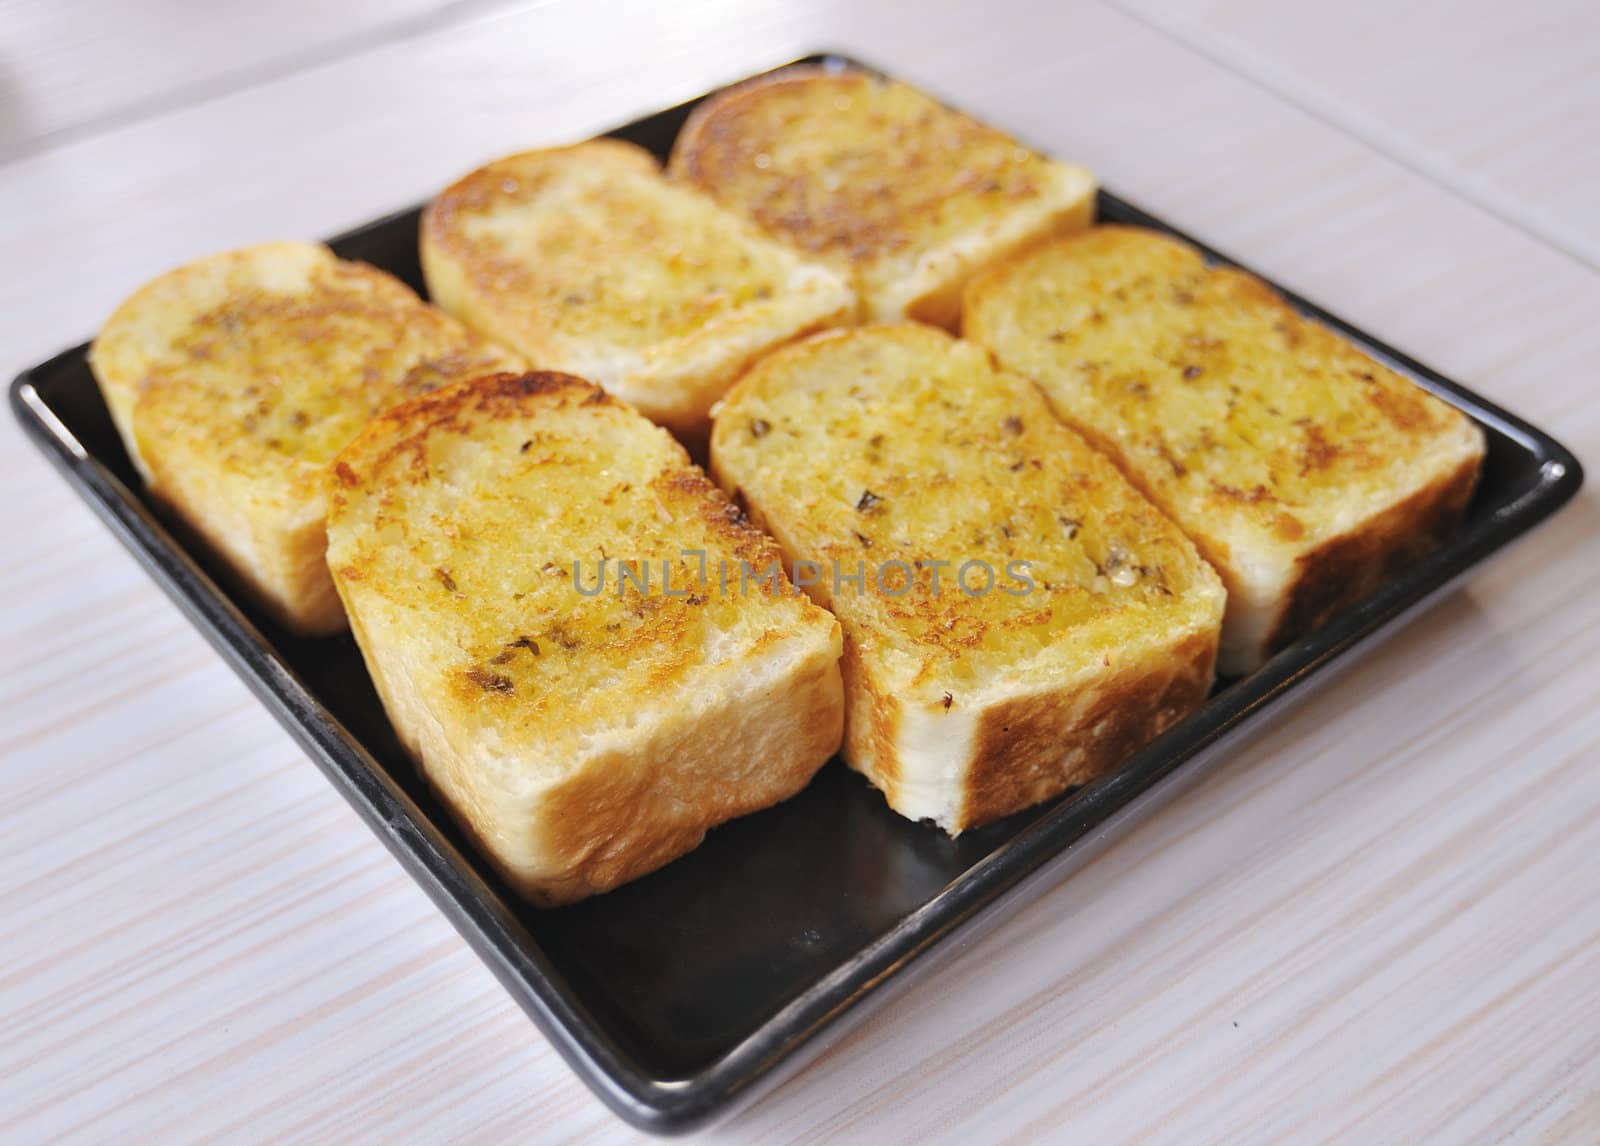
(872, 722)
(499, 277)
(725, 138)
(1344, 569)
(879, 181)
(1034, 747)
(405, 427)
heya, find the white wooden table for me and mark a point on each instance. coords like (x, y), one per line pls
(1379, 923)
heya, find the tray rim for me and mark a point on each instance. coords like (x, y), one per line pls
(1035, 854)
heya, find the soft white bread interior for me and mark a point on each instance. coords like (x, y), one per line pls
(586, 259)
(1307, 472)
(585, 730)
(234, 380)
(906, 196)
(1086, 625)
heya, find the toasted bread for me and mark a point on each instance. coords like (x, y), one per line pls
(236, 378)
(970, 694)
(906, 196)
(586, 259)
(1306, 472)
(584, 730)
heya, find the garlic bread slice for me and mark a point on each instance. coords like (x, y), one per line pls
(1305, 471)
(586, 259)
(1017, 617)
(585, 729)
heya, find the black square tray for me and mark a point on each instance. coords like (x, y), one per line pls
(689, 992)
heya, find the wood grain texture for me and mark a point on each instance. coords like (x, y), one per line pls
(1380, 921)
(1477, 95)
(71, 68)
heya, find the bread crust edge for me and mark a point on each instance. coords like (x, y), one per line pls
(1022, 750)
(1347, 567)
